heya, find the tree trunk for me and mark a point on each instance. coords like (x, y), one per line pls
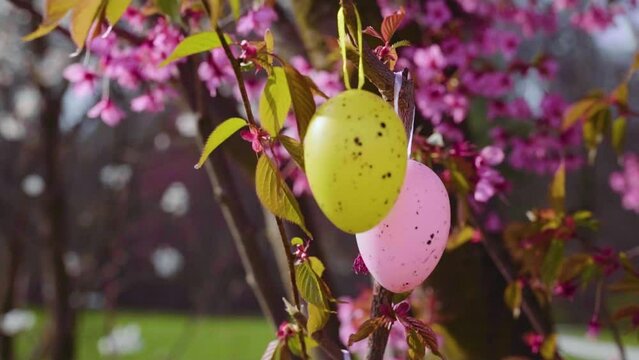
(56, 280)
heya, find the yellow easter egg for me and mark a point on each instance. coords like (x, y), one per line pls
(355, 159)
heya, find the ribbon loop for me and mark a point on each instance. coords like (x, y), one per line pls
(341, 32)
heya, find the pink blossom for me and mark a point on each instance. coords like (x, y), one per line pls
(437, 14)
(216, 71)
(359, 267)
(151, 101)
(626, 182)
(492, 155)
(594, 327)
(534, 341)
(135, 18)
(82, 79)
(256, 21)
(607, 260)
(107, 111)
(429, 62)
(595, 18)
(254, 136)
(565, 289)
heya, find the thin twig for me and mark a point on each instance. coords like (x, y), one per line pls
(280, 225)
(291, 272)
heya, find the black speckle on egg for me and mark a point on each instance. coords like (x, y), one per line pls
(386, 202)
(379, 133)
(382, 124)
(429, 242)
(357, 141)
(416, 227)
(432, 236)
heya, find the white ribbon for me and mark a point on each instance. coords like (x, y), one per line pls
(409, 123)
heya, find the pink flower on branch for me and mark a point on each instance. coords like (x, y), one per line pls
(106, 110)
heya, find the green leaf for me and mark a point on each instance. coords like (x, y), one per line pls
(275, 195)
(271, 350)
(620, 94)
(115, 9)
(294, 148)
(573, 266)
(460, 181)
(269, 43)
(171, 8)
(194, 44)
(401, 43)
(552, 261)
(235, 8)
(459, 237)
(296, 349)
(549, 347)
(513, 297)
(618, 134)
(219, 135)
(275, 102)
(416, 347)
(55, 11)
(364, 331)
(316, 265)
(297, 241)
(83, 15)
(301, 97)
(558, 189)
(582, 109)
(309, 284)
(317, 318)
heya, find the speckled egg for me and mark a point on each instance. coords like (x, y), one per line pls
(355, 158)
(406, 246)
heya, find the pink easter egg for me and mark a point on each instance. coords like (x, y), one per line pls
(402, 250)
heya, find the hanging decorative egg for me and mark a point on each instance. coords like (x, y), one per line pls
(402, 250)
(355, 159)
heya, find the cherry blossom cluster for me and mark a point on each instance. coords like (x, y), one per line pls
(626, 182)
(469, 56)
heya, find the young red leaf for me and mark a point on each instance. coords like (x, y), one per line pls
(627, 311)
(367, 328)
(372, 32)
(429, 338)
(391, 23)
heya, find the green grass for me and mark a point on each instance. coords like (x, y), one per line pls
(169, 336)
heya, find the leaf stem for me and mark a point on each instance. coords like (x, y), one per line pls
(238, 75)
